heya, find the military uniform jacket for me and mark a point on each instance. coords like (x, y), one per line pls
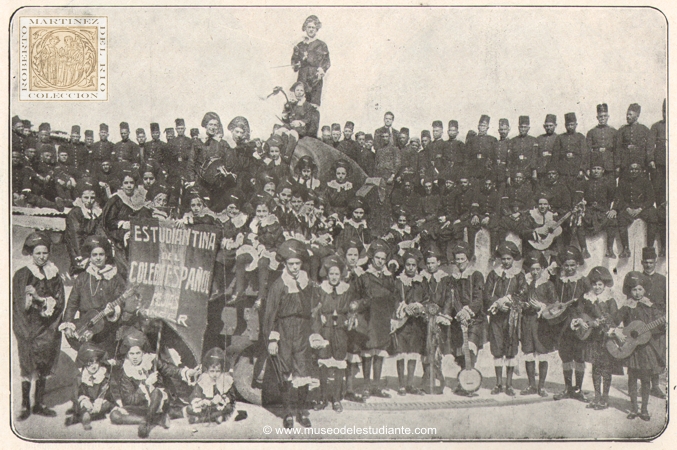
(488, 203)
(560, 197)
(502, 155)
(571, 153)
(602, 139)
(480, 154)
(350, 148)
(599, 194)
(78, 155)
(102, 151)
(656, 290)
(154, 150)
(434, 159)
(466, 203)
(546, 146)
(634, 141)
(524, 193)
(522, 154)
(394, 135)
(128, 151)
(659, 141)
(637, 193)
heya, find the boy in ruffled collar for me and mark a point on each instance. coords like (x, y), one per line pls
(93, 400)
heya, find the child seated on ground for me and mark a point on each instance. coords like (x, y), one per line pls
(93, 399)
(213, 398)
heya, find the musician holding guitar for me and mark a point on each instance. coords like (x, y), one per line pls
(640, 317)
(92, 293)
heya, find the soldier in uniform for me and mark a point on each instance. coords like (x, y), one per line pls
(409, 152)
(348, 146)
(31, 140)
(655, 287)
(635, 200)
(559, 197)
(480, 152)
(126, 149)
(311, 60)
(393, 134)
(181, 153)
(523, 150)
(335, 135)
(465, 205)
(103, 150)
(546, 145)
(169, 134)
(502, 153)
(18, 138)
(571, 153)
(599, 193)
(154, 149)
(433, 161)
(403, 138)
(455, 149)
(45, 142)
(633, 141)
(77, 150)
(659, 141)
(516, 199)
(602, 140)
(367, 156)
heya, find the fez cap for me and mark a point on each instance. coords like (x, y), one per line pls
(425, 133)
(75, 129)
(335, 127)
(45, 127)
(635, 107)
(524, 120)
(368, 137)
(649, 253)
(596, 159)
(349, 125)
(169, 132)
(194, 132)
(124, 126)
(453, 123)
(103, 127)
(89, 133)
(484, 119)
(508, 248)
(602, 108)
(502, 122)
(550, 118)
(154, 127)
(326, 128)
(404, 130)
(438, 124)
(140, 131)
(180, 123)
(27, 123)
(570, 118)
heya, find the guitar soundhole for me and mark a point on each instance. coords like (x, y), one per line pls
(634, 334)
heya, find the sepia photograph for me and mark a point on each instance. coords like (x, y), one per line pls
(337, 223)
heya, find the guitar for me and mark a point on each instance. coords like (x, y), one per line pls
(545, 237)
(637, 333)
(470, 379)
(555, 310)
(583, 333)
(92, 320)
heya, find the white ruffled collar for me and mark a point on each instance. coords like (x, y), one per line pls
(358, 271)
(632, 303)
(538, 217)
(270, 219)
(107, 272)
(352, 223)
(87, 213)
(402, 231)
(96, 378)
(291, 283)
(340, 288)
(509, 273)
(345, 186)
(372, 270)
(603, 297)
(49, 268)
(223, 384)
(141, 371)
(544, 278)
(438, 276)
(407, 280)
(572, 279)
(467, 273)
(135, 203)
(238, 221)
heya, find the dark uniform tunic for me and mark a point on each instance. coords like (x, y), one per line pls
(636, 193)
(455, 156)
(101, 151)
(572, 155)
(468, 290)
(656, 292)
(501, 171)
(37, 337)
(434, 159)
(650, 357)
(377, 294)
(522, 157)
(350, 148)
(311, 55)
(539, 335)
(602, 139)
(504, 326)
(437, 289)
(658, 138)
(634, 141)
(595, 351)
(480, 154)
(598, 194)
(128, 150)
(546, 146)
(567, 289)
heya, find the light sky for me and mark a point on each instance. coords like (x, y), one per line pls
(422, 63)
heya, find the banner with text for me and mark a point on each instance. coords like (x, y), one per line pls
(174, 267)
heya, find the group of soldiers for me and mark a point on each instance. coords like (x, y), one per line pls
(341, 281)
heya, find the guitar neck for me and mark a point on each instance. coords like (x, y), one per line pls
(466, 348)
(117, 302)
(651, 325)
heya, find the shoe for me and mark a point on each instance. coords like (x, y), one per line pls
(320, 405)
(497, 390)
(402, 391)
(219, 419)
(645, 417)
(288, 421)
(562, 395)
(366, 394)
(165, 421)
(632, 415)
(380, 393)
(192, 419)
(414, 390)
(625, 254)
(509, 391)
(543, 393)
(601, 405)
(337, 406)
(87, 421)
(144, 430)
(303, 419)
(42, 410)
(70, 420)
(610, 253)
(657, 392)
(592, 405)
(353, 397)
(531, 390)
(585, 253)
(579, 395)
(25, 414)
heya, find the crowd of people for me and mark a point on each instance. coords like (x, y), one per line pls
(341, 281)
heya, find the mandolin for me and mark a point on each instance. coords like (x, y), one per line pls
(636, 334)
(584, 333)
(556, 310)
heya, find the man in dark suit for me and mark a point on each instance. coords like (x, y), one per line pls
(388, 119)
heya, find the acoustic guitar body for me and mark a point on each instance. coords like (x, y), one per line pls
(633, 338)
